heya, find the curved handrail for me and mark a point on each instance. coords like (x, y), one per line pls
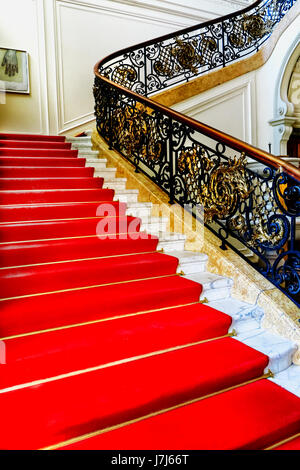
(236, 144)
(197, 164)
(256, 153)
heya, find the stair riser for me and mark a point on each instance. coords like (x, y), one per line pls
(60, 211)
(53, 172)
(115, 185)
(191, 268)
(32, 280)
(78, 248)
(100, 167)
(42, 162)
(46, 183)
(21, 316)
(33, 145)
(215, 294)
(129, 197)
(38, 153)
(154, 227)
(88, 153)
(171, 245)
(45, 196)
(70, 228)
(87, 145)
(32, 137)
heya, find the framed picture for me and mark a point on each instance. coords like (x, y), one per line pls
(14, 72)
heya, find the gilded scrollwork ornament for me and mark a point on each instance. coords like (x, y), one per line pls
(124, 75)
(186, 54)
(226, 186)
(256, 26)
(133, 132)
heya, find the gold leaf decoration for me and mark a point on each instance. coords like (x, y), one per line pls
(226, 186)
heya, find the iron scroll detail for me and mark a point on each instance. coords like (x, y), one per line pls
(255, 207)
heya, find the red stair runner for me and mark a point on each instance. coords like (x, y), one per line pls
(99, 329)
(293, 444)
(40, 144)
(249, 417)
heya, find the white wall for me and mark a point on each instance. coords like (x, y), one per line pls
(65, 38)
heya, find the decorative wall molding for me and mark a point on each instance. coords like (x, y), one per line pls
(285, 117)
(244, 88)
(43, 76)
(101, 9)
(190, 9)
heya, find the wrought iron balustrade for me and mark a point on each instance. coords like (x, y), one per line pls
(195, 164)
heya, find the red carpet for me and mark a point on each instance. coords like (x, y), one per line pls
(294, 444)
(99, 329)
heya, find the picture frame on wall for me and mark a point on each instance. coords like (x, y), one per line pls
(14, 71)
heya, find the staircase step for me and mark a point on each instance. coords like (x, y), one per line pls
(32, 137)
(214, 286)
(38, 153)
(52, 353)
(95, 226)
(45, 172)
(190, 262)
(88, 153)
(126, 195)
(31, 212)
(271, 414)
(79, 140)
(170, 242)
(279, 350)
(23, 315)
(97, 163)
(85, 402)
(289, 379)
(115, 183)
(50, 183)
(28, 253)
(245, 316)
(101, 169)
(139, 209)
(55, 195)
(26, 144)
(42, 162)
(154, 225)
(52, 277)
(82, 145)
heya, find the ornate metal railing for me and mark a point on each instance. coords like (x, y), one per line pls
(198, 166)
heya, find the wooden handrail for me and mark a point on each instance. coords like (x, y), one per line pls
(236, 144)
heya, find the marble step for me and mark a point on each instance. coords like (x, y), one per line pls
(190, 262)
(245, 317)
(125, 195)
(214, 286)
(289, 379)
(139, 209)
(75, 140)
(279, 350)
(98, 164)
(82, 146)
(154, 225)
(171, 242)
(115, 183)
(88, 153)
(107, 173)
